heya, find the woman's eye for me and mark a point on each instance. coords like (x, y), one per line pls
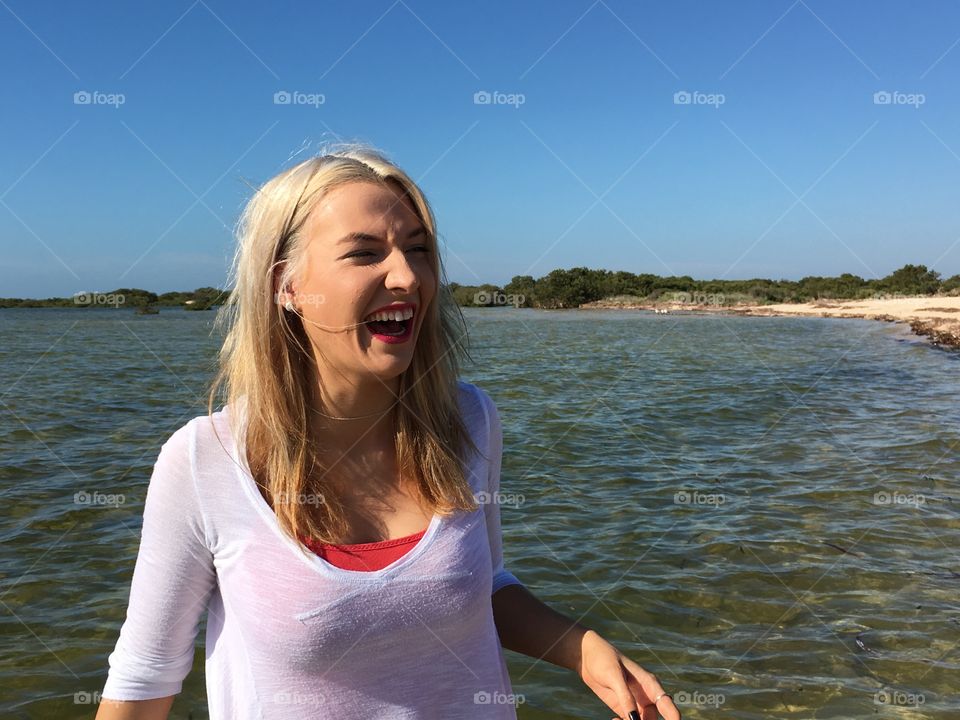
(365, 254)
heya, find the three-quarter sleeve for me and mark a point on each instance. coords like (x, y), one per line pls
(172, 582)
(501, 576)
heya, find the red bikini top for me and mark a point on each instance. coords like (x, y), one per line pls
(365, 556)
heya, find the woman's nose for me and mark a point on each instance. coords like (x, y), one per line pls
(401, 273)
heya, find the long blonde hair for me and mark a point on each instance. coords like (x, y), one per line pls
(264, 365)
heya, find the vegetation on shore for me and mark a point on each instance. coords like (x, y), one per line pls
(578, 286)
(200, 299)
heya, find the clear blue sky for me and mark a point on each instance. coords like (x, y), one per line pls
(798, 172)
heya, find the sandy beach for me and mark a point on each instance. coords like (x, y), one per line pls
(937, 318)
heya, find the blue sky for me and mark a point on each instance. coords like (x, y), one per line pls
(783, 163)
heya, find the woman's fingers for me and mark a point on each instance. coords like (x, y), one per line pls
(649, 692)
(626, 688)
(649, 713)
(627, 700)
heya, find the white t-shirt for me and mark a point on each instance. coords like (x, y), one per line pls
(290, 636)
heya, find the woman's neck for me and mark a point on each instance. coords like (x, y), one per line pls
(357, 416)
(354, 397)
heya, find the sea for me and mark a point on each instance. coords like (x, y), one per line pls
(761, 511)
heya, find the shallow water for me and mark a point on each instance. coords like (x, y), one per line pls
(762, 511)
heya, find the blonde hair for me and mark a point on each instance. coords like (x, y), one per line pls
(264, 365)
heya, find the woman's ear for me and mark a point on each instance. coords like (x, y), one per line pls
(284, 296)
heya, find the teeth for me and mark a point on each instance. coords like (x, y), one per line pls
(397, 315)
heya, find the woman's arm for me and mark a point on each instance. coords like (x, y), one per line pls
(173, 579)
(156, 709)
(530, 627)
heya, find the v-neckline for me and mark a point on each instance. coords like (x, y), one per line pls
(310, 558)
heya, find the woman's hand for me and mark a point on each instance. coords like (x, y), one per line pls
(620, 683)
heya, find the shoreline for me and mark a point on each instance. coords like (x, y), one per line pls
(937, 319)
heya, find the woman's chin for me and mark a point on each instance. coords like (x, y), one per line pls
(388, 368)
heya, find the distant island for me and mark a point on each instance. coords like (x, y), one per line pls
(203, 298)
(580, 286)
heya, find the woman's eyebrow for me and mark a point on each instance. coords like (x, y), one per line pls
(360, 236)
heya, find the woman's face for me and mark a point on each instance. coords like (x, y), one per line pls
(366, 249)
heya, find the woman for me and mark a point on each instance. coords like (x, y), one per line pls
(337, 519)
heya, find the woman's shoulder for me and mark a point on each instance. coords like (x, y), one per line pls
(468, 395)
(476, 405)
(201, 434)
(473, 391)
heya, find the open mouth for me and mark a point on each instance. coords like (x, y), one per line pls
(396, 324)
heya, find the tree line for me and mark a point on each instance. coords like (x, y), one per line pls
(200, 299)
(576, 286)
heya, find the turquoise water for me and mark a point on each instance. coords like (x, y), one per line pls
(762, 511)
